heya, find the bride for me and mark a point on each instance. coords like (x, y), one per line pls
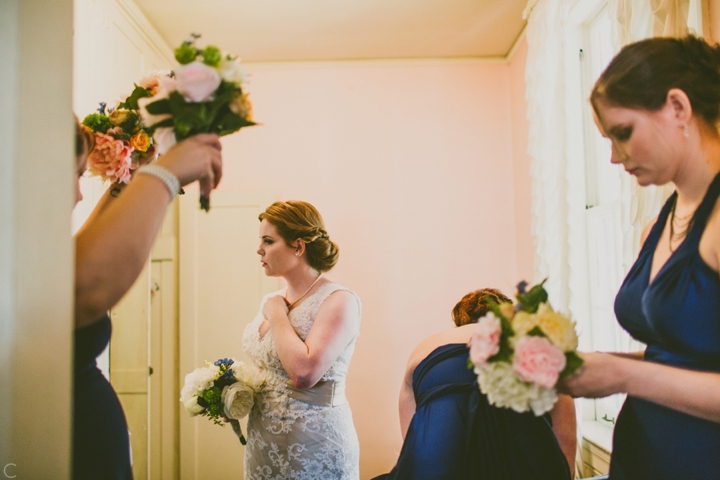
(301, 426)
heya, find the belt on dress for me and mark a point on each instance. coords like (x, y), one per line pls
(327, 393)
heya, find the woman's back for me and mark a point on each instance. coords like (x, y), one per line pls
(456, 434)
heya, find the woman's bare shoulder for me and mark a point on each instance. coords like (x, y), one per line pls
(446, 337)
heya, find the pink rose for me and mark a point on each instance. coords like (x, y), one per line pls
(538, 361)
(111, 159)
(485, 340)
(197, 81)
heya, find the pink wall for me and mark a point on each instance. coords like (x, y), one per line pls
(411, 165)
(522, 181)
(711, 17)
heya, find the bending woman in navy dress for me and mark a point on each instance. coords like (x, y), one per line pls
(111, 250)
(451, 432)
(659, 103)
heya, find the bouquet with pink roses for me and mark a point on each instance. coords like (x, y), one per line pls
(203, 95)
(520, 351)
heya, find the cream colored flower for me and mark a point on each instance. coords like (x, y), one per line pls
(248, 374)
(231, 71)
(192, 407)
(504, 389)
(241, 106)
(559, 328)
(523, 322)
(238, 399)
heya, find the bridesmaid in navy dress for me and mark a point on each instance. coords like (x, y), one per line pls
(111, 249)
(659, 104)
(451, 432)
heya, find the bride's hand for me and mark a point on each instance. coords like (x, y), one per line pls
(275, 306)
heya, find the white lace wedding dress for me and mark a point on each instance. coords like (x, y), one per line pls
(289, 438)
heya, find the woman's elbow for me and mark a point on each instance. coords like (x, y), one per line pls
(302, 383)
(91, 303)
(303, 379)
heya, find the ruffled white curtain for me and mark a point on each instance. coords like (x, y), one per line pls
(545, 77)
(633, 21)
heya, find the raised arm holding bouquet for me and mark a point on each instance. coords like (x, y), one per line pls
(202, 95)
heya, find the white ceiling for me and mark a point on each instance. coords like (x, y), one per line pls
(326, 30)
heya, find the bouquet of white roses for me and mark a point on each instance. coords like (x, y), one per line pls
(222, 390)
(520, 351)
(203, 95)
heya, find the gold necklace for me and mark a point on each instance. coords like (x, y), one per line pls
(290, 306)
(680, 235)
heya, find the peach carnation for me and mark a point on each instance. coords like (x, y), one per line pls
(111, 159)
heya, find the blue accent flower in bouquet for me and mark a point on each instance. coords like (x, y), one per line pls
(520, 351)
(223, 390)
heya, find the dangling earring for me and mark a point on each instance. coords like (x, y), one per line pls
(686, 130)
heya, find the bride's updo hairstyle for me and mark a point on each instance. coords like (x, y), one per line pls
(474, 305)
(641, 75)
(295, 220)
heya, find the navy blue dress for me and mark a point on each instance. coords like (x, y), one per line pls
(678, 317)
(101, 447)
(455, 434)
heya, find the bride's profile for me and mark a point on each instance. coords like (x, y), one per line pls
(302, 338)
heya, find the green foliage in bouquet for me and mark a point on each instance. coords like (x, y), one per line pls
(131, 103)
(191, 118)
(226, 111)
(211, 398)
(97, 122)
(529, 301)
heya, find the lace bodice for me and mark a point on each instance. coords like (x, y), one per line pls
(288, 438)
(262, 350)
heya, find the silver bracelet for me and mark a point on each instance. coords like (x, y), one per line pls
(171, 181)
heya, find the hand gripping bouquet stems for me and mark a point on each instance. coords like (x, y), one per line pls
(520, 351)
(223, 390)
(203, 95)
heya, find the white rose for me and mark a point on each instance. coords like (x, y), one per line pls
(249, 375)
(165, 138)
(192, 406)
(148, 119)
(197, 81)
(238, 399)
(231, 71)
